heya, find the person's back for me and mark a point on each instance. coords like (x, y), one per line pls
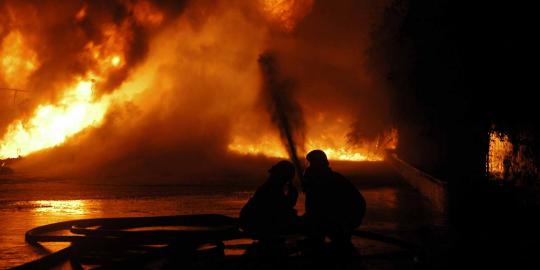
(334, 199)
(334, 207)
(347, 197)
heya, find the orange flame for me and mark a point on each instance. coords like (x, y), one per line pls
(500, 151)
(50, 124)
(271, 146)
(331, 138)
(109, 54)
(17, 61)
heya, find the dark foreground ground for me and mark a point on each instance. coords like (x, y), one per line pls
(394, 210)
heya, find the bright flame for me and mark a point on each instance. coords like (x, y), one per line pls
(52, 124)
(267, 146)
(334, 143)
(17, 61)
(115, 60)
(500, 152)
(108, 55)
(272, 147)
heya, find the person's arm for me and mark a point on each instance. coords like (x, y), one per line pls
(292, 196)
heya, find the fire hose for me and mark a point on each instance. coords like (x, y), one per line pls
(96, 241)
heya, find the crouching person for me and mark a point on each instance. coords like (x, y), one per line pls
(270, 212)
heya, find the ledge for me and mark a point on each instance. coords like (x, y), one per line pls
(433, 189)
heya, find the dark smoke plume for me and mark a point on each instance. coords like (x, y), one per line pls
(285, 111)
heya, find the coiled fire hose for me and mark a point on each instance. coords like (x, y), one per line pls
(113, 234)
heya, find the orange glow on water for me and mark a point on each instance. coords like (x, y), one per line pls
(77, 207)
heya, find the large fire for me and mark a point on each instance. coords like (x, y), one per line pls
(82, 103)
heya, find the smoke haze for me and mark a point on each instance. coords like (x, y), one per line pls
(189, 82)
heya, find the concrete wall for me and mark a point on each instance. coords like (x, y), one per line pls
(430, 187)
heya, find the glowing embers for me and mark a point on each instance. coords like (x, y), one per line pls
(500, 154)
(51, 124)
(17, 61)
(286, 13)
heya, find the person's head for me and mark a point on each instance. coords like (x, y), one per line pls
(317, 159)
(282, 172)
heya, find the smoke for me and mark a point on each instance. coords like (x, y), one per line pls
(327, 57)
(285, 111)
(189, 83)
(170, 120)
(63, 41)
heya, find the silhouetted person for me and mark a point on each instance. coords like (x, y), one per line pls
(270, 212)
(334, 207)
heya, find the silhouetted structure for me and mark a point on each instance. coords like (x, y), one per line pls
(334, 207)
(455, 73)
(270, 211)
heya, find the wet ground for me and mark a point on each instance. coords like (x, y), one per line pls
(394, 209)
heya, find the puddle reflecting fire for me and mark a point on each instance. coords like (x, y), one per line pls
(78, 207)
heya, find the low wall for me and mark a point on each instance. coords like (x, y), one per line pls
(430, 187)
